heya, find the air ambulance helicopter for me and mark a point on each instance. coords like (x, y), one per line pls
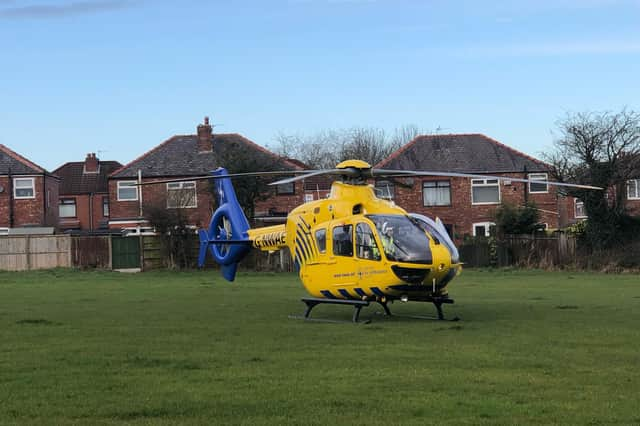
(351, 248)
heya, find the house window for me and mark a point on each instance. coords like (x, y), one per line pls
(580, 210)
(24, 188)
(385, 189)
(67, 207)
(286, 188)
(483, 229)
(181, 195)
(343, 240)
(321, 240)
(105, 206)
(436, 193)
(633, 189)
(485, 191)
(127, 190)
(538, 187)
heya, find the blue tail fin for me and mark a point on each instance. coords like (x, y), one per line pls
(226, 238)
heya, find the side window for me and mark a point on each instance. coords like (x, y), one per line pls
(321, 240)
(343, 240)
(366, 247)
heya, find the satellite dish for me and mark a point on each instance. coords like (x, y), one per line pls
(1, 189)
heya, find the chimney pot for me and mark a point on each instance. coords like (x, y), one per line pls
(205, 136)
(91, 163)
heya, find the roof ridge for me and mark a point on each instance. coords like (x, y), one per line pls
(515, 151)
(21, 159)
(155, 148)
(482, 135)
(264, 150)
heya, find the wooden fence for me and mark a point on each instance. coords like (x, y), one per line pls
(540, 251)
(91, 251)
(19, 253)
(26, 252)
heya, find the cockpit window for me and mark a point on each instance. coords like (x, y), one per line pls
(343, 240)
(366, 247)
(402, 239)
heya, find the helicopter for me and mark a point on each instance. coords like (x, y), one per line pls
(352, 248)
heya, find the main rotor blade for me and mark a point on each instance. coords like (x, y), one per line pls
(311, 173)
(408, 173)
(231, 175)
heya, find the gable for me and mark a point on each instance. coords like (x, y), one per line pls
(14, 163)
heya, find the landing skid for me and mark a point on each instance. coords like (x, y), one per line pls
(437, 302)
(312, 302)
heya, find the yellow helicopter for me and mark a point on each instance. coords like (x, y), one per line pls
(351, 248)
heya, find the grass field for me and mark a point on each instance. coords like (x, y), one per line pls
(188, 348)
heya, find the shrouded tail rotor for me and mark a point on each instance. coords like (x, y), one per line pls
(226, 238)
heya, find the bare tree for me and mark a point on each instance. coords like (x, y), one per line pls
(601, 149)
(326, 148)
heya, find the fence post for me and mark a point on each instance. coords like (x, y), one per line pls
(27, 251)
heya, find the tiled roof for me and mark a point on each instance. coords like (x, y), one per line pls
(179, 156)
(74, 181)
(470, 153)
(13, 162)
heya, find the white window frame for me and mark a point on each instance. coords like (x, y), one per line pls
(575, 209)
(75, 207)
(436, 187)
(105, 198)
(484, 183)
(32, 187)
(487, 227)
(636, 183)
(538, 176)
(127, 184)
(180, 186)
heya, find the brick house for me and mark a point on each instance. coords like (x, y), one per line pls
(28, 194)
(467, 206)
(185, 156)
(83, 203)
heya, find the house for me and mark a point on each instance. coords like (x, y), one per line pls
(28, 193)
(186, 156)
(466, 206)
(83, 202)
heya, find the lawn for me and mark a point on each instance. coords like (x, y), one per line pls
(188, 348)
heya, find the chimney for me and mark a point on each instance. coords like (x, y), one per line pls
(91, 163)
(205, 136)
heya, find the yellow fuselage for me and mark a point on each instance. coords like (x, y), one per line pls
(326, 270)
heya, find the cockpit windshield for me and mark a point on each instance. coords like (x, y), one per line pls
(402, 239)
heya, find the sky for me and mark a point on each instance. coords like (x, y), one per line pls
(118, 77)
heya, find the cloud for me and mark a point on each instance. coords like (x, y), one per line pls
(45, 11)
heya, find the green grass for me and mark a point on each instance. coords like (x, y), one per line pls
(189, 348)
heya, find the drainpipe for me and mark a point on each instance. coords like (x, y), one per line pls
(91, 211)
(10, 189)
(44, 199)
(140, 192)
(526, 186)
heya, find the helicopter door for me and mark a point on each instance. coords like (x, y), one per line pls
(343, 272)
(366, 246)
(369, 266)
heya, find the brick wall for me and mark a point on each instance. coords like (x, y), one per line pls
(462, 214)
(156, 195)
(38, 211)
